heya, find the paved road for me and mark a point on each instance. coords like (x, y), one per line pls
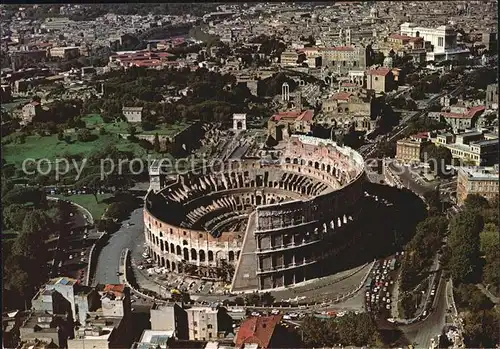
(127, 237)
(421, 333)
(408, 180)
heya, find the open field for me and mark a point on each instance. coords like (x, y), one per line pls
(49, 147)
(88, 201)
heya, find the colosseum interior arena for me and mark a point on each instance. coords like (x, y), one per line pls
(266, 224)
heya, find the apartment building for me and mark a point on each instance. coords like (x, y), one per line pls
(65, 52)
(289, 58)
(477, 180)
(479, 153)
(409, 150)
(462, 118)
(208, 323)
(344, 58)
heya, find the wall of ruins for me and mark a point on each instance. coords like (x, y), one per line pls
(170, 245)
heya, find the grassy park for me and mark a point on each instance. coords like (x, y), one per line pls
(88, 201)
(50, 147)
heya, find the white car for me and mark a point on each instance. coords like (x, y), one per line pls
(388, 306)
(391, 320)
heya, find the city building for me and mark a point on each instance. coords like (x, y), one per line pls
(409, 150)
(289, 58)
(462, 118)
(206, 323)
(380, 80)
(67, 52)
(30, 111)
(478, 153)
(443, 41)
(341, 59)
(283, 124)
(11, 322)
(477, 180)
(346, 109)
(41, 326)
(403, 45)
(261, 332)
(492, 96)
(151, 339)
(132, 114)
(170, 318)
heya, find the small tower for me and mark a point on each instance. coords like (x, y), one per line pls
(299, 101)
(348, 37)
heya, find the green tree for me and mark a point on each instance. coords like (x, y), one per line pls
(357, 329)
(464, 242)
(84, 135)
(13, 216)
(252, 299)
(318, 333)
(60, 135)
(491, 272)
(36, 222)
(475, 201)
(481, 329)
(437, 158)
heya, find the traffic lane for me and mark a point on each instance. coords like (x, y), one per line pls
(422, 332)
(406, 177)
(128, 236)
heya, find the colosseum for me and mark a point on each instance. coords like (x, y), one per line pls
(274, 223)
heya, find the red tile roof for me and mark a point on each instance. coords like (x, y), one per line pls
(341, 96)
(343, 48)
(293, 115)
(309, 49)
(306, 115)
(477, 109)
(378, 71)
(421, 135)
(399, 37)
(116, 289)
(468, 115)
(456, 115)
(258, 330)
(337, 48)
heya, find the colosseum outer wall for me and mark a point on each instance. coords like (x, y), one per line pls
(169, 245)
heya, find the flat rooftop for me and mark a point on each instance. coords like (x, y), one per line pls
(159, 338)
(481, 173)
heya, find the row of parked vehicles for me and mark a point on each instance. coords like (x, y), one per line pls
(379, 285)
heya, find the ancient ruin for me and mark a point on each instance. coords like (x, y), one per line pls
(268, 222)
